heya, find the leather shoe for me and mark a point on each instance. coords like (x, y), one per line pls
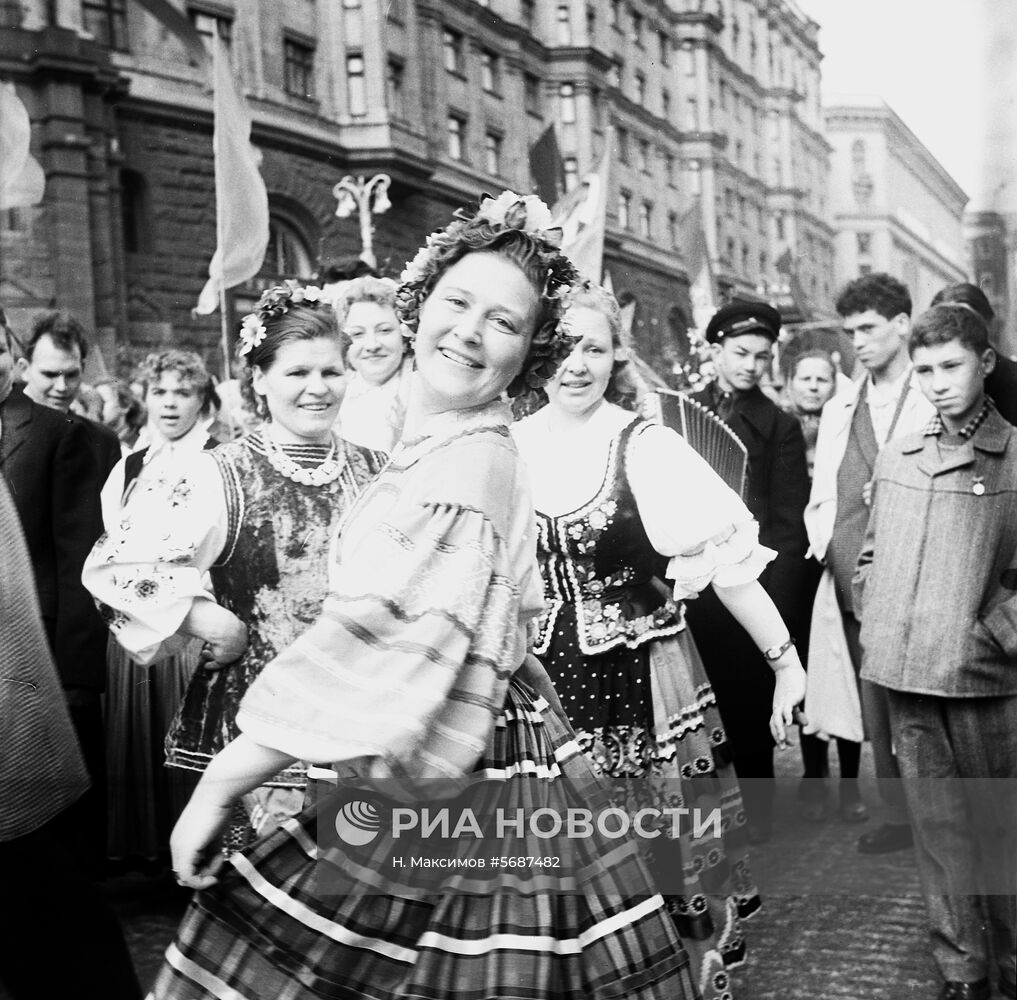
(1008, 988)
(956, 990)
(889, 837)
(759, 831)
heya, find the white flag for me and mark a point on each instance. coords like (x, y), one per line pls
(22, 181)
(582, 215)
(241, 203)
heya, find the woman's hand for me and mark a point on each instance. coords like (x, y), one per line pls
(787, 695)
(224, 633)
(194, 841)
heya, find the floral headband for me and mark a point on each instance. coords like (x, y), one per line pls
(275, 302)
(509, 210)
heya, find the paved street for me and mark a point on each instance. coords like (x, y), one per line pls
(835, 924)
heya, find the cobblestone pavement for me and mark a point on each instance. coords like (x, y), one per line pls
(835, 924)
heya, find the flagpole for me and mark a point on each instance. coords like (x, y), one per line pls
(224, 329)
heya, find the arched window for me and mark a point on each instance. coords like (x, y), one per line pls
(288, 254)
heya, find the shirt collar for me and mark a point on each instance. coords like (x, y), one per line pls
(936, 428)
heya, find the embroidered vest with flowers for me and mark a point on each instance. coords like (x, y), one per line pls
(599, 559)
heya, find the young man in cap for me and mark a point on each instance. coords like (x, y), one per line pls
(742, 335)
(886, 404)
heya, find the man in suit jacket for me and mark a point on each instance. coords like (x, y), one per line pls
(54, 476)
(743, 334)
(41, 776)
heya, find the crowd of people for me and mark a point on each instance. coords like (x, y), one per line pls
(352, 574)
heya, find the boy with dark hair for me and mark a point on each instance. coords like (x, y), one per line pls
(937, 588)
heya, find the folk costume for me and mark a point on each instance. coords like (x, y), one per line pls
(415, 679)
(614, 641)
(257, 517)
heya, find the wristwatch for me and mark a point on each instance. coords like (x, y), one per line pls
(776, 652)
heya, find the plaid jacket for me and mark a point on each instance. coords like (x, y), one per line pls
(936, 586)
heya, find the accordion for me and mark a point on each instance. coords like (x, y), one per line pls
(705, 432)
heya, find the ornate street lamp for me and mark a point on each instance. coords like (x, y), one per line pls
(354, 194)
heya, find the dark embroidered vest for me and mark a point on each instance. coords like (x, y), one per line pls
(599, 559)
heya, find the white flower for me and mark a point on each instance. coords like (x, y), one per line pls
(312, 293)
(538, 215)
(252, 333)
(414, 270)
(297, 295)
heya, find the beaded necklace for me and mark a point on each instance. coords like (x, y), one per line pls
(320, 475)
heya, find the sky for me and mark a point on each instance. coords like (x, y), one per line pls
(949, 70)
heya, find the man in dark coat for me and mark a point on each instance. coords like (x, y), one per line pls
(743, 334)
(54, 474)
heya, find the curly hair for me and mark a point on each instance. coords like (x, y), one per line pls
(186, 365)
(621, 389)
(286, 323)
(547, 269)
(381, 291)
(882, 293)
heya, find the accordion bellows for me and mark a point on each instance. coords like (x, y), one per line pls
(707, 434)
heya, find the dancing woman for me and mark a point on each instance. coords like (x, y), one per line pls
(415, 680)
(613, 493)
(257, 513)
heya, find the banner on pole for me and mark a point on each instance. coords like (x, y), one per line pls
(22, 181)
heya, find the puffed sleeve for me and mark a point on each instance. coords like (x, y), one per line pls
(691, 515)
(407, 667)
(148, 567)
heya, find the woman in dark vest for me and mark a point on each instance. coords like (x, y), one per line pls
(613, 493)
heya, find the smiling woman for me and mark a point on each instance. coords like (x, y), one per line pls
(258, 514)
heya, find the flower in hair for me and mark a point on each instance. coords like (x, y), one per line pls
(525, 212)
(252, 333)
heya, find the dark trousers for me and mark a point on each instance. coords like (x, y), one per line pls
(876, 717)
(958, 761)
(743, 683)
(59, 938)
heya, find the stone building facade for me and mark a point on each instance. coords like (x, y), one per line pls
(715, 100)
(895, 208)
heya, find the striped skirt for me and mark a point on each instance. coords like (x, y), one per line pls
(299, 915)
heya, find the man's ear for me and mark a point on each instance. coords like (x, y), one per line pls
(21, 366)
(988, 361)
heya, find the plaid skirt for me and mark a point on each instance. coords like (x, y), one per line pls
(300, 915)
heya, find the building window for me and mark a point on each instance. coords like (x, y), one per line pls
(672, 230)
(695, 177)
(591, 24)
(567, 97)
(300, 69)
(529, 11)
(730, 250)
(643, 155)
(781, 228)
(208, 25)
(106, 22)
(745, 258)
(571, 167)
(132, 210)
(665, 103)
(456, 136)
(531, 93)
(452, 51)
(287, 254)
(624, 209)
(614, 13)
(664, 47)
(597, 107)
(492, 153)
(614, 73)
(692, 114)
(396, 89)
(739, 151)
(490, 72)
(622, 137)
(763, 263)
(636, 28)
(640, 88)
(864, 242)
(563, 18)
(355, 84)
(669, 169)
(646, 220)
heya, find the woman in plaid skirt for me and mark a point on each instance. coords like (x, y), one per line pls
(414, 683)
